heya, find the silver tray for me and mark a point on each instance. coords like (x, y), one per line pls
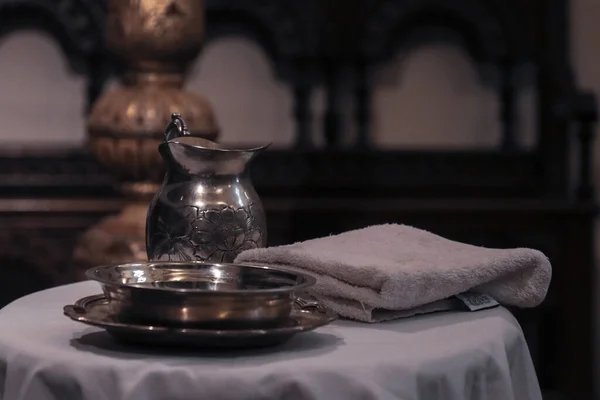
(95, 311)
(194, 293)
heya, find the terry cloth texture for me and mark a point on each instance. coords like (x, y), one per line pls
(389, 271)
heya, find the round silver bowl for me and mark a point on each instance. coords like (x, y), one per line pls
(217, 296)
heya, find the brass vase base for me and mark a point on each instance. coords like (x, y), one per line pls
(114, 240)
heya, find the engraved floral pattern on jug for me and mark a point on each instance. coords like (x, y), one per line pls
(173, 241)
(214, 234)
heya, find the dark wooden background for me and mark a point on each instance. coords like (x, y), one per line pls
(508, 196)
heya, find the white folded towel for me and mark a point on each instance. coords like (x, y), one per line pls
(390, 271)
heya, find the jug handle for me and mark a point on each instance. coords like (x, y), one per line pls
(176, 128)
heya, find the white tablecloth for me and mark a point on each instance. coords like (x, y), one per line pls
(446, 356)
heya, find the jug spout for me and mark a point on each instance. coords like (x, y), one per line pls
(195, 155)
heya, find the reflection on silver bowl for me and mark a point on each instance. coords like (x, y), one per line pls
(223, 296)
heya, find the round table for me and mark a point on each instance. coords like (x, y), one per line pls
(451, 355)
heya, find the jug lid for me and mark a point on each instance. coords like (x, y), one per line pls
(176, 128)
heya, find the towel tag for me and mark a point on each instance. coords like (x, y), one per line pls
(477, 301)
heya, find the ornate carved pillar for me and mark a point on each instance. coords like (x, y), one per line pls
(157, 40)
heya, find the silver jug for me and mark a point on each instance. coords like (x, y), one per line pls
(207, 208)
